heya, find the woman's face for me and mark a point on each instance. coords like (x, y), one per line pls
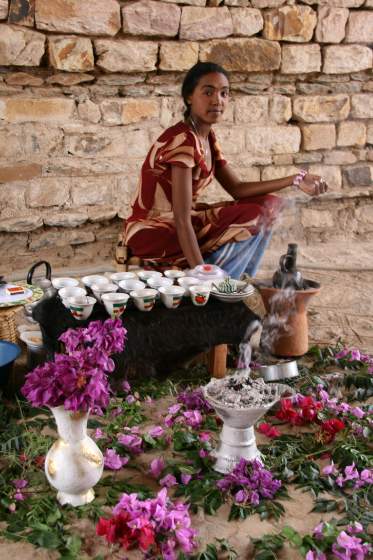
(210, 98)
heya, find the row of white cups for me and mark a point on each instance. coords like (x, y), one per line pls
(143, 287)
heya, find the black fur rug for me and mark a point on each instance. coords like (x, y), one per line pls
(158, 340)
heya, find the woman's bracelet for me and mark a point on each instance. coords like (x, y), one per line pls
(299, 178)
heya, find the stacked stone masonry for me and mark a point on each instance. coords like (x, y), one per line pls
(87, 85)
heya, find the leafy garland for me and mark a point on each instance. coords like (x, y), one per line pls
(292, 459)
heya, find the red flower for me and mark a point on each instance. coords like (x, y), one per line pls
(306, 413)
(268, 430)
(309, 408)
(116, 530)
(330, 428)
(39, 461)
(287, 412)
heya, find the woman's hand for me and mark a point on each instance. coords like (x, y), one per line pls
(313, 185)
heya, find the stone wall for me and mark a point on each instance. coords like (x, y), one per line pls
(87, 85)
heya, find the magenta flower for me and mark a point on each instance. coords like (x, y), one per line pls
(241, 496)
(357, 412)
(98, 434)
(355, 528)
(204, 436)
(194, 400)
(351, 473)
(167, 524)
(186, 478)
(253, 478)
(130, 399)
(19, 484)
(132, 442)
(113, 461)
(311, 555)
(174, 409)
(157, 466)
(78, 380)
(330, 469)
(156, 432)
(347, 547)
(193, 418)
(318, 531)
(126, 387)
(168, 481)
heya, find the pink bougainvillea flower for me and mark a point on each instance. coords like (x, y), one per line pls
(174, 409)
(351, 473)
(132, 442)
(19, 484)
(318, 531)
(357, 412)
(355, 528)
(186, 478)
(157, 466)
(156, 432)
(113, 461)
(130, 399)
(168, 481)
(204, 436)
(312, 555)
(193, 418)
(330, 469)
(126, 387)
(98, 434)
(268, 430)
(347, 547)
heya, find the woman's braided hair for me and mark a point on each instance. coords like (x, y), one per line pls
(192, 78)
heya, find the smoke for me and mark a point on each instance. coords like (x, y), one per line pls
(276, 322)
(244, 356)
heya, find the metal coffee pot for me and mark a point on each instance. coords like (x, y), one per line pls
(44, 283)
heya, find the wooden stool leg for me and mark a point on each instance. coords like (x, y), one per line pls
(218, 361)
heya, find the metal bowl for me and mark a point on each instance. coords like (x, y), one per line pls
(283, 370)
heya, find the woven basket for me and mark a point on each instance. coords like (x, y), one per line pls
(8, 330)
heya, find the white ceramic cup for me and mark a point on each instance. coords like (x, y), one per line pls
(144, 275)
(99, 289)
(158, 281)
(200, 294)
(131, 285)
(186, 282)
(81, 306)
(144, 299)
(73, 291)
(59, 283)
(174, 274)
(94, 279)
(115, 303)
(116, 277)
(171, 296)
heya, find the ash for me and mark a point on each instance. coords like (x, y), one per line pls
(240, 391)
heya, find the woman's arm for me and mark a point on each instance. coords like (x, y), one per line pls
(312, 185)
(182, 205)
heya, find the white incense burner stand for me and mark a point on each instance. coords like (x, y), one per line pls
(237, 438)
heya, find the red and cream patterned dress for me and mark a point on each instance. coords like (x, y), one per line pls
(150, 231)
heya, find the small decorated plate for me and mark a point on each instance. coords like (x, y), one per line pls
(30, 294)
(234, 296)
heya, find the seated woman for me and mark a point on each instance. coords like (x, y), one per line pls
(167, 226)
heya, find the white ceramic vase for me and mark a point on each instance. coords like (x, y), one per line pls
(74, 463)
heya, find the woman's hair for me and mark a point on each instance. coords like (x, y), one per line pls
(194, 75)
